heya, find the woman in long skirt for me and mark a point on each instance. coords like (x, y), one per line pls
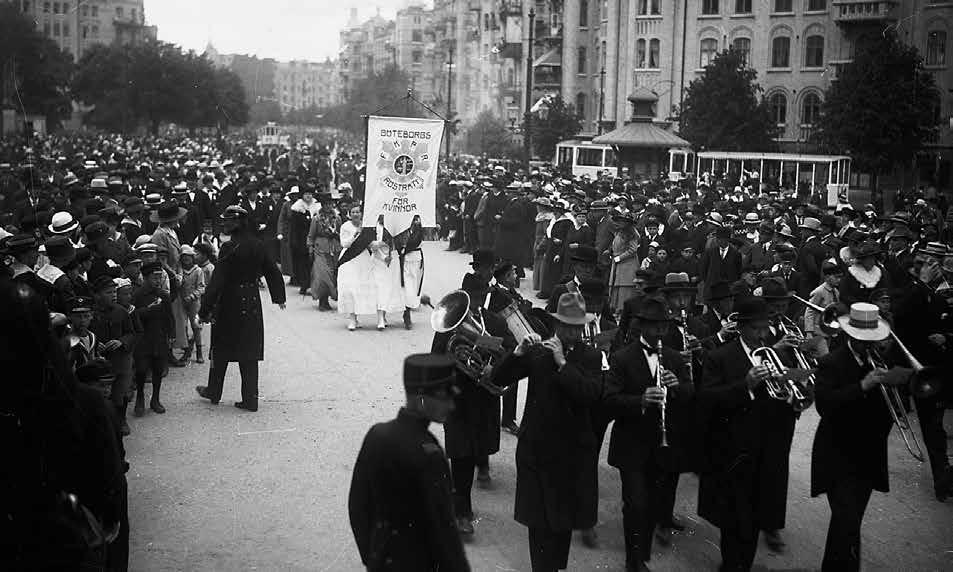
(325, 246)
(303, 211)
(625, 261)
(356, 291)
(411, 267)
(386, 273)
(544, 215)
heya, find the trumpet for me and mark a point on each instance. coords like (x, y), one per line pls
(781, 386)
(897, 410)
(661, 386)
(829, 324)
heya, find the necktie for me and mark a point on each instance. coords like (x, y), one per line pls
(651, 350)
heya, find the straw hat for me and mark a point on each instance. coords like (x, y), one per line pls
(864, 323)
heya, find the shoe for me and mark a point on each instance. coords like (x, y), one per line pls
(511, 427)
(773, 539)
(381, 326)
(246, 407)
(156, 406)
(672, 524)
(124, 429)
(590, 538)
(407, 323)
(352, 325)
(324, 306)
(198, 355)
(203, 393)
(483, 477)
(140, 408)
(944, 485)
(464, 526)
(303, 291)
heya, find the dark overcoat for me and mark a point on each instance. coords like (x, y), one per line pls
(555, 246)
(851, 438)
(747, 441)
(400, 505)
(154, 312)
(557, 455)
(232, 302)
(510, 241)
(636, 434)
(473, 428)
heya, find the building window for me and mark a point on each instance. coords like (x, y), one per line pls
(94, 10)
(65, 29)
(643, 7)
(640, 54)
(810, 109)
(56, 28)
(743, 47)
(603, 60)
(85, 31)
(56, 7)
(656, 7)
(486, 21)
(583, 13)
(119, 11)
(780, 52)
(649, 7)
(581, 60)
(936, 48)
(417, 36)
(816, 5)
(778, 105)
(783, 6)
(46, 7)
(709, 6)
(742, 6)
(416, 56)
(709, 48)
(814, 52)
(654, 48)
(581, 104)
(84, 10)
(133, 16)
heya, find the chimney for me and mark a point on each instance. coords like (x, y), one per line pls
(643, 102)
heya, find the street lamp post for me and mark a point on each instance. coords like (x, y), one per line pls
(449, 101)
(602, 97)
(528, 118)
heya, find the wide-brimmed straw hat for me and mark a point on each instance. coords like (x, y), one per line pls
(864, 323)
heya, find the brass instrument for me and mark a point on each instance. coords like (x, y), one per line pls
(782, 386)
(926, 380)
(658, 384)
(829, 324)
(730, 322)
(896, 406)
(470, 347)
(789, 328)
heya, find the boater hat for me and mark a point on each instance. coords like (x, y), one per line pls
(62, 223)
(864, 323)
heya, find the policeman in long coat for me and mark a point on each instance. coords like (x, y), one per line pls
(232, 303)
(399, 503)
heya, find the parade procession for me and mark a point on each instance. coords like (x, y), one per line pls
(484, 314)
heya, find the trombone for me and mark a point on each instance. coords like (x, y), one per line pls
(829, 323)
(896, 406)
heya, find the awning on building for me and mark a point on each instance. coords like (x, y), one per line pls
(642, 134)
(551, 59)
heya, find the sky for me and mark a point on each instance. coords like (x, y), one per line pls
(280, 29)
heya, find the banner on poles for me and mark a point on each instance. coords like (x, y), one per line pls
(401, 180)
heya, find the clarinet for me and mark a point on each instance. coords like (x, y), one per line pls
(658, 384)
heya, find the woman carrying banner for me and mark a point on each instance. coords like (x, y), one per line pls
(411, 258)
(386, 274)
(356, 292)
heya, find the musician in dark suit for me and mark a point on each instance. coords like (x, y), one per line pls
(721, 262)
(635, 448)
(399, 503)
(557, 455)
(645, 283)
(740, 492)
(849, 459)
(472, 430)
(720, 301)
(504, 292)
(582, 264)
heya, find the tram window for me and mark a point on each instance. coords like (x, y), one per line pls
(820, 174)
(589, 158)
(678, 163)
(704, 165)
(564, 156)
(835, 172)
(610, 158)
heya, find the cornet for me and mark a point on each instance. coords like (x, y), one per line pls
(781, 386)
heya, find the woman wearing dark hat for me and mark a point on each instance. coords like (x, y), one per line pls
(399, 502)
(623, 252)
(544, 215)
(233, 305)
(556, 484)
(556, 233)
(865, 275)
(303, 211)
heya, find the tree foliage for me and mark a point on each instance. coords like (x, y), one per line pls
(561, 123)
(34, 72)
(881, 109)
(155, 83)
(723, 109)
(491, 136)
(368, 95)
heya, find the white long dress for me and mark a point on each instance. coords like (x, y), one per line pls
(357, 293)
(389, 294)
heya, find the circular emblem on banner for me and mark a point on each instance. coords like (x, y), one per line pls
(404, 165)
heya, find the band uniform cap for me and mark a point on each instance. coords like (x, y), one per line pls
(424, 373)
(147, 247)
(60, 248)
(584, 253)
(752, 309)
(234, 212)
(483, 257)
(752, 218)
(62, 223)
(720, 291)
(150, 267)
(678, 282)
(653, 309)
(571, 310)
(864, 323)
(81, 304)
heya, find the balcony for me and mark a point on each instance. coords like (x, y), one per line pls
(858, 11)
(510, 8)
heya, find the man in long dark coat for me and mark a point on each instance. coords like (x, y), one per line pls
(232, 303)
(511, 239)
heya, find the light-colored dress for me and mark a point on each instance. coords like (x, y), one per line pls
(356, 291)
(388, 292)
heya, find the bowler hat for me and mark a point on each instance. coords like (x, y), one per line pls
(653, 309)
(474, 284)
(571, 310)
(425, 373)
(678, 282)
(751, 309)
(502, 268)
(583, 253)
(81, 304)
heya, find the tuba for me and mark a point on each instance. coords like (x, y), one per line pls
(473, 350)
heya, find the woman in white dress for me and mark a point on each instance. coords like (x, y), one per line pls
(385, 270)
(356, 291)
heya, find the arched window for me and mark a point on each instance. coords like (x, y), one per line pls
(814, 51)
(583, 13)
(743, 47)
(581, 60)
(581, 104)
(936, 48)
(781, 52)
(778, 105)
(510, 77)
(810, 109)
(709, 49)
(654, 49)
(640, 54)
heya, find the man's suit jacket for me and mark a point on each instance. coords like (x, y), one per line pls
(713, 268)
(810, 257)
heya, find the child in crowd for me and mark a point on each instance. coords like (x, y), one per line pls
(191, 290)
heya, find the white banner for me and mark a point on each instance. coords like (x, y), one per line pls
(401, 180)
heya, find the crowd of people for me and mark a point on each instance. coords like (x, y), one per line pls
(119, 251)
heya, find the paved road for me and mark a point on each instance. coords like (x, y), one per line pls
(216, 488)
